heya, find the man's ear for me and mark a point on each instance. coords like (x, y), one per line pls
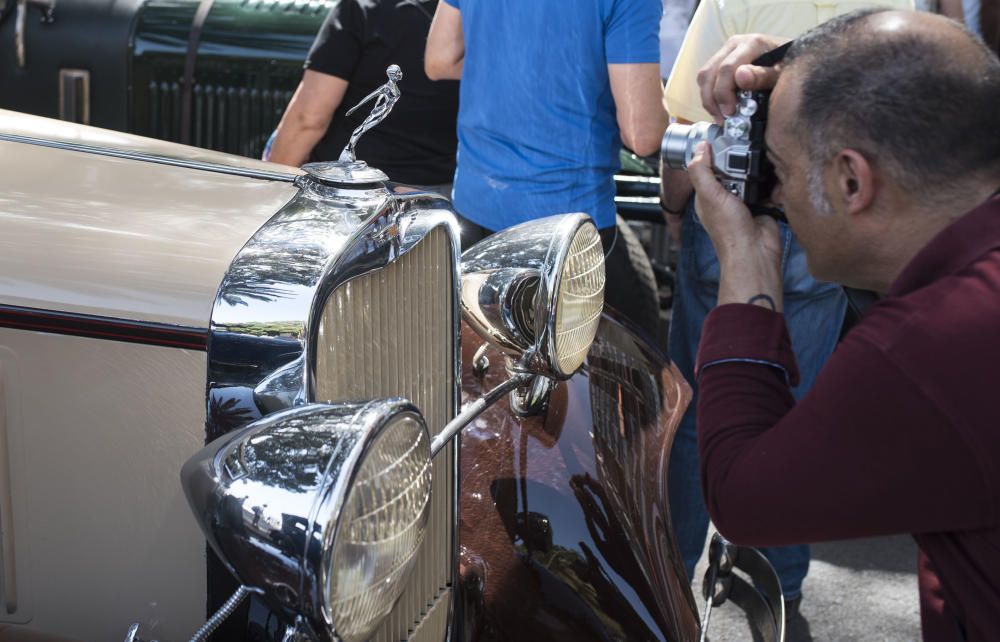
(854, 180)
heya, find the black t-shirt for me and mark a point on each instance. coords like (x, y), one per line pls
(416, 143)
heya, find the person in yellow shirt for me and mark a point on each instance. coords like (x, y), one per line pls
(814, 310)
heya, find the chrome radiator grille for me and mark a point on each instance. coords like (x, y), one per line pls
(388, 333)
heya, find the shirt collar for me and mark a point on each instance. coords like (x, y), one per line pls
(955, 247)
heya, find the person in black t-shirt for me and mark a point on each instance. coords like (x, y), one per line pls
(360, 38)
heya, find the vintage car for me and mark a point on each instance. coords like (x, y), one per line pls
(306, 325)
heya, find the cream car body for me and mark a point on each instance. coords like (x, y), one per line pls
(143, 242)
(180, 294)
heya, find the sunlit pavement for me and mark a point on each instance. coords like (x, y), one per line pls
(856, 590)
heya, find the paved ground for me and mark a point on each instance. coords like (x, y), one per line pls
(856, 590)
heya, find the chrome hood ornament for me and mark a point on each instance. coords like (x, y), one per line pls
(385, 98)
(348, 169)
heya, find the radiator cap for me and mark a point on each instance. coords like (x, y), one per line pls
(344, 173)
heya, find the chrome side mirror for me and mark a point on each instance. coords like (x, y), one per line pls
(321, 508)
(536, 291)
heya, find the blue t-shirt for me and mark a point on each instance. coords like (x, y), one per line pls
(537, 132)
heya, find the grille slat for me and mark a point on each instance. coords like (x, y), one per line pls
(225, 117)
(390, 333)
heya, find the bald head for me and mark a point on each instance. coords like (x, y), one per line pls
(900, 27)
(914, 92)
(930, 27)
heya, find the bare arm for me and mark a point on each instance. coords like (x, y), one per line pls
(445, 51)
(308, 115)
(638, 91)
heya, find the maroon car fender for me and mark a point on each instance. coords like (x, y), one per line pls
(564, 531)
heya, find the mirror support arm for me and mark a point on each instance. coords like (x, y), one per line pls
(476, 408)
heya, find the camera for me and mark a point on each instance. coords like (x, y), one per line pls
(738, 151)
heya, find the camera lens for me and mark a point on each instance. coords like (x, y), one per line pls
(680, 140)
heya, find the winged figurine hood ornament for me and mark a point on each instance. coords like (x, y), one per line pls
(385, 98)
(348, 169)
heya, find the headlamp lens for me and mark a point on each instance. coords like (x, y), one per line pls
(382, 525)
(580, 299)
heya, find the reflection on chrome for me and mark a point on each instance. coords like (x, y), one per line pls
(274, 341)
(266, 306)
(322, 508)
(536, 291)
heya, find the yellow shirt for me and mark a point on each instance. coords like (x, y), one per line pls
(716, 20)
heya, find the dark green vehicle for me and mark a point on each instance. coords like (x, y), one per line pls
(211, 74)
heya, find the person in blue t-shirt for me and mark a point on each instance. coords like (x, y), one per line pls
(550, 90)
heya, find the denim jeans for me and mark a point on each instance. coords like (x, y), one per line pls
(814, 312)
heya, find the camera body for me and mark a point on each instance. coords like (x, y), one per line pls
(739, 155)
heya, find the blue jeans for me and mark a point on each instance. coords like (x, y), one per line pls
(814, 312)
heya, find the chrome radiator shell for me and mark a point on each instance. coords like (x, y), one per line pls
(277, 341)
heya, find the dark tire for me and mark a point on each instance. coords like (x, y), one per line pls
(631, 286)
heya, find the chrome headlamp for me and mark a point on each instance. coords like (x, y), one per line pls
(536, 291)
(321, 508)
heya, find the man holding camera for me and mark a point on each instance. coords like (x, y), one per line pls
(814, 310)
(882, 133)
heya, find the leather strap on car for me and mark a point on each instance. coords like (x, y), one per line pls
(187, 82)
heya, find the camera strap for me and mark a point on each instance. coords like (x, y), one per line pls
(772, 57)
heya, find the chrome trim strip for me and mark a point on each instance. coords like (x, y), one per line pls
(150, 158)
(104, 328)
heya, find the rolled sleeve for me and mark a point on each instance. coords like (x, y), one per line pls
(740, 332)
(632, 32)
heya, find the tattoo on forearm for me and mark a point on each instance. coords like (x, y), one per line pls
(766, 299)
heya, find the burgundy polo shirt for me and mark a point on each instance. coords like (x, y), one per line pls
(899, 434)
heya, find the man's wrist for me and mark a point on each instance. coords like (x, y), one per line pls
(749, 278)
(669, 212)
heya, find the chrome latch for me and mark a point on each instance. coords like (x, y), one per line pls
(48, 8)
(133, 634)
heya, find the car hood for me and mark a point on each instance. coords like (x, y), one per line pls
(15, 124)
(108, 224)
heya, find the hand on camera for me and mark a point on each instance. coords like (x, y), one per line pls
(729, 71)
(748, 247)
